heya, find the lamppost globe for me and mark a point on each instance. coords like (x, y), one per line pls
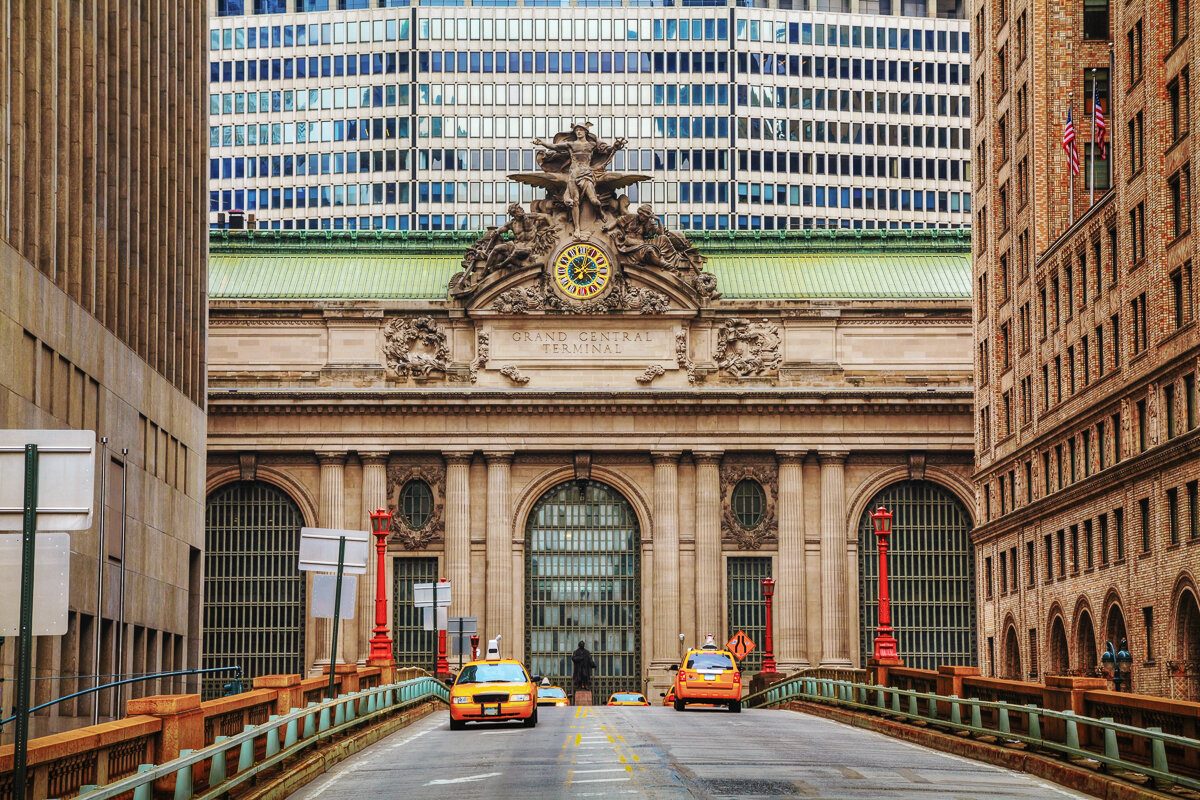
(881, 518)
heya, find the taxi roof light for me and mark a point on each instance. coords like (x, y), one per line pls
(493, 649)
(709, 643)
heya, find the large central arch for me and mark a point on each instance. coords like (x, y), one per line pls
(583, 583)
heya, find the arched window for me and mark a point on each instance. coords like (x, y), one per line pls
(1012, 655)
(931, 568)
(416, 504)
(1086, 654)
(1187, 645)
(1060, 653)
(253, 588)
(749, 503)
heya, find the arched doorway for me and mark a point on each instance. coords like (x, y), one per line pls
(1114, 630)
(930, 566)
(1012, 655)
(1060, 654)
(253, 588)
(1085, 644)
(583, 583)
(1187, 645)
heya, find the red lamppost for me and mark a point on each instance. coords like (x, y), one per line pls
(443, 666)
(885, 643)
(768, 590)
(381, 643)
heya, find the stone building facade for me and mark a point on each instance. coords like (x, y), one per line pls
(622, 469)
(102, 317)
(1086, 343)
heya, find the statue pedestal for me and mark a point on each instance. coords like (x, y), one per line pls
(583, 697)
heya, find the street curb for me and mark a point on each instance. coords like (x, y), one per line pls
(1065, 774)
(311, 766)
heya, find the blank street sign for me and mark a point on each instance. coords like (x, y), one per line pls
(424, 594)
(319, 550)
(51, 569)
(66, 467)
(324, 589)
(441, 617)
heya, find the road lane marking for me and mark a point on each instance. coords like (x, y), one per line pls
(602, 780)
(589, 771)
(468, 779)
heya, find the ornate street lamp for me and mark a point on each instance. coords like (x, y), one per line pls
(885, 643)
(381, 643)
(1117, 665)
(768, 590)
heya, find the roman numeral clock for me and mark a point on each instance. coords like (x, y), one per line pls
(582, 271)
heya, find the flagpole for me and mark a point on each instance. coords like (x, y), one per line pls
(1092, 159)
(1071, 174)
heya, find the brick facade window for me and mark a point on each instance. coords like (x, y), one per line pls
(1119, 532)
(1115, 336)
(1133, 49)
(1189, 400)
(1172, 511)
(1178, 92)
(1180, 186)
(1062, 553)
(1144, 521)
(1099, 339)
(1193, 497)
(1101, 446)
(1137, 232)
(1003, 572)
(1048, 553)
(1030, 564)
(1095, 19)
(1168, 393)
(1142, 424)
(1137, 146)
(1181, 295)
(1139, 326)
(1088, 544)
(1177, 17)
(1104, 540)
(1116, 436)
(987, 571)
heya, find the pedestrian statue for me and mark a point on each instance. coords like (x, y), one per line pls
(584, 664)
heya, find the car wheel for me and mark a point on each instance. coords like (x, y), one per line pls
(735, 706)
(679, 705)
(457, 725)
(531, 720)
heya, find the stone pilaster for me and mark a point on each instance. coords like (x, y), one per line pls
(499, 553)
(374, 496)
(835, 647)
(458, 531)
(708, 543)
(666, 557)
(332, 514)
(791, 640)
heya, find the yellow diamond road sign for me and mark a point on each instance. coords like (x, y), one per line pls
(740, 645)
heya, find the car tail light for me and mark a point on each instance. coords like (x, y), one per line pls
(737, 677)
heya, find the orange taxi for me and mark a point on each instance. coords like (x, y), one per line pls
(628, 699)
(708, 675)
(552, 696)
(493, 690)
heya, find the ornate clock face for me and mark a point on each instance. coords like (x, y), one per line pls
(582, 271)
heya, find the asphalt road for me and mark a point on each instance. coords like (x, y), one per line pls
(660, 753)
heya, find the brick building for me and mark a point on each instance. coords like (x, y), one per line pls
(1086, 342)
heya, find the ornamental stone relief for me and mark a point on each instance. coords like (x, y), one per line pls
(737, 528)
(746, 349)
(420, 529)
(415, 347)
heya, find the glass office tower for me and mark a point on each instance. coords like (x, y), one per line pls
(373, 114)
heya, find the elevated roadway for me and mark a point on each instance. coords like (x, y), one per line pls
(660, 753)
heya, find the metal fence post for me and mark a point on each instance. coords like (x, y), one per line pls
(246, 754)
(216, 766)
(1158, 756)
(1072, 731)
(1005, 726)
(955, 711)
(146, 790)
(289, 735)
(976, 714)
(1035, 722)
(1110, 741)
(183, 778)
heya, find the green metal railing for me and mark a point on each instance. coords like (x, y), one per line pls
(1008, 723)
(261, 747)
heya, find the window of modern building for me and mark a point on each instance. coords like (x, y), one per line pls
(1095, 19)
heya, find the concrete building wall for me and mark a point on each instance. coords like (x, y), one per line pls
(102, 315)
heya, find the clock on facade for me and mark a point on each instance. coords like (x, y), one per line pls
(582, 271)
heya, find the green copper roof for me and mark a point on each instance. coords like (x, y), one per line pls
(801, 265)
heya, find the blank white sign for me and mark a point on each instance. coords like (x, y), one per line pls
(66, 469)
(319, 550)
(51, 583)
(324, 590)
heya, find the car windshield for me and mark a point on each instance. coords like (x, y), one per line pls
(492, 673)
(709, 661)
(629, 698)
(553, 692)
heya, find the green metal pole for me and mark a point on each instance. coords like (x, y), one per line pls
(25, 631)
(337, 615)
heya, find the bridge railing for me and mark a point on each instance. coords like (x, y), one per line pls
(233, 760)
(1164, 758)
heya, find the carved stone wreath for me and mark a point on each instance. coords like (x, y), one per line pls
(542, 297)
(746, 348)
(732, 529)
(483, 351)
(434, 527)
(415, 347)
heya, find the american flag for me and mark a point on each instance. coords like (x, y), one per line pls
(1099, 129)
(1068, 143)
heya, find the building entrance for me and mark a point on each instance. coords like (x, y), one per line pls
(583, 569)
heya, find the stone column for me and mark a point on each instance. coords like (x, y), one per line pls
(835, 649)
(332, 514)
(458, 531)
(708, 543)
(374, 496)
(666, 557)
(791, 640)
(499, 553)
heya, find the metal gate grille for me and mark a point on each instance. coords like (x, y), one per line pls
(746, 609)
(253, 588)
(583, 584)
(411, 643)
(931, 576)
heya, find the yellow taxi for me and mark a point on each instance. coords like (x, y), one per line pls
(669, 696)
(628, 699)
(548, 695)
(708, 675)
(493, 690)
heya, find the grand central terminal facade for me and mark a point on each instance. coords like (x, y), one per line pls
(596, 429)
